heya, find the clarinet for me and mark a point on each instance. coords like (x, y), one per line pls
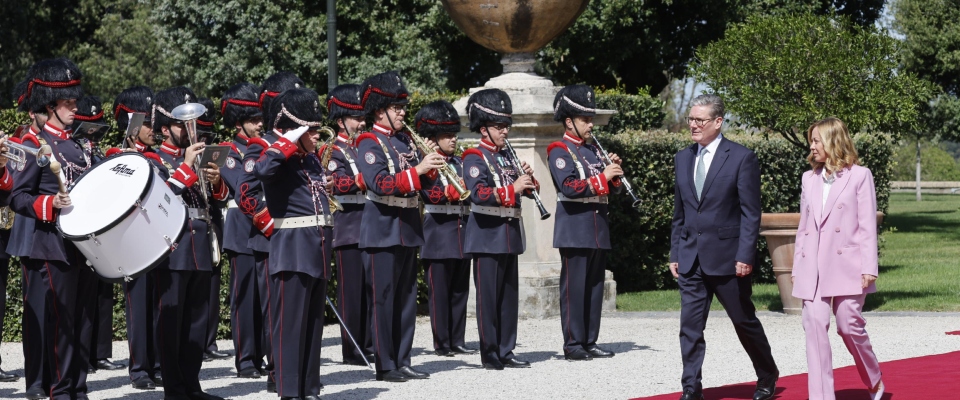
(544, 214)
(626, 183)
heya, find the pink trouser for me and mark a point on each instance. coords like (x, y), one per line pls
(850, 327)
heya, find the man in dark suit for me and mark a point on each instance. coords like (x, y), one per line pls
(713, 245)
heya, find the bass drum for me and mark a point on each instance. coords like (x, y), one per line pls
(124, 218)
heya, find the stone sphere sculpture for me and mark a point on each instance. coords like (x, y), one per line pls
(518, 26)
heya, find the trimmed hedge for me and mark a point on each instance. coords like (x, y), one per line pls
(641, 238)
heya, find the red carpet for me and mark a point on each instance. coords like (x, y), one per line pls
(913, 378)
(954, 333)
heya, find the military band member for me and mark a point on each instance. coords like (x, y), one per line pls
(96, 317)
(391, 169)
(582, 230)
(51, 265)
(353, 299)
(256, 207)
(142, 312)
(183, 283)
(444, 224)
(241, 114)
(206, 135)
(300, 249)
(494, 235)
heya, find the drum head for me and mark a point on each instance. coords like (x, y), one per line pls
(105, 194)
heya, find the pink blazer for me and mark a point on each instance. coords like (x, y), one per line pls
(837, 241)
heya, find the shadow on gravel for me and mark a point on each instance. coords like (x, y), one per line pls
(207, 373)
(347, 377)
(448, 364)
(354, 394)
(96, 384)
(538, 356)
(623, 347)
(8, 394)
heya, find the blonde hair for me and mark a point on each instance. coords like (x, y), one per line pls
(837, 144)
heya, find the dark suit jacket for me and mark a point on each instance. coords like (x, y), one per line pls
(722, 228)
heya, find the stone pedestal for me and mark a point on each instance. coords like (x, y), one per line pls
(532, 131)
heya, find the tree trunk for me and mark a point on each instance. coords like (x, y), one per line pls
(918, 169)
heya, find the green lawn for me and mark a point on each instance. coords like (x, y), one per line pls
(919, 265)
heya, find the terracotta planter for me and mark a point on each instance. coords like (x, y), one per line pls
(780, 230)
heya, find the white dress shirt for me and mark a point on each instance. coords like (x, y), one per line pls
(708, 157)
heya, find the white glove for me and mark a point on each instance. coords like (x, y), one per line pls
(294, 135)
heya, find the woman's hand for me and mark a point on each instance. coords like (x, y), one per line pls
(866, 280)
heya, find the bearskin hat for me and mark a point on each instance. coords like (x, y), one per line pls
(272, 87)
(51, 80)
(382, 90)
(136, 99)
(239, 104)
(344, 101)
(489, 106)
(437, 117)
(295, 108)
(19, 95)
(205, 122)
(574, 101)
(165, 101)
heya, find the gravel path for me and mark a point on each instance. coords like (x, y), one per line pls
(647, 361)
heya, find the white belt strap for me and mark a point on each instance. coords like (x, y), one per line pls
(503, 212)
(350, 198)
(445, 209)
(231, 204)
(198, 213)
(595, 199)
(403, 202)
(302, 222)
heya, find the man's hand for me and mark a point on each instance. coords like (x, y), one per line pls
(866, 280)
(615, 158)
(522, 183)
(527, 169)
(191, 153)
(430, 143)
(612, 171)
(430, 162)
(212, 173)
(61, 200)
(673, 270)
(3, 152)
(743, 269)
(294, 135)
(328, 184)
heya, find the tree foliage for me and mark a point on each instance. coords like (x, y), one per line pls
(784, 73)
(931, 45)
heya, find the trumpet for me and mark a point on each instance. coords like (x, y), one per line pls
(623, 179)
(325, 160)
(17, 153)
(188, 113)
(448, 172)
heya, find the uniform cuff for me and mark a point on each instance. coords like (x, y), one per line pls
(184, 176)
(506, 195)
(360, 183)
(408, 181)
(599, 185)
(43, 206)
(221, 191)
(6, 181)
(284, 146)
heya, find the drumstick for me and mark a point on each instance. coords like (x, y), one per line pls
(55, 167)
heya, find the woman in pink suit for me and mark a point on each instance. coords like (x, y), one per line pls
(835, 262)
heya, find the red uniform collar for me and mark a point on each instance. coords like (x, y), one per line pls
(571, 137)
(242, 138)
(173, 151)
(63, 134)
(33, 131)
(344, 138)
(383, 129)
(140, 146)
(484, 143)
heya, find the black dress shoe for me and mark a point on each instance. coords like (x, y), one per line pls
(8, 377)
(578, 355)
(463, 350)
(766, 387)
(91, 370)
(597, 352)
(214, 355)
(249, 373)
(444, 352)
(203, 396)
(36, 394)
(392, 376)
(412, 373)
(144, 383)
(497, 366)
(109, 365)
(515, 363)
(691, 396)
(157, 380)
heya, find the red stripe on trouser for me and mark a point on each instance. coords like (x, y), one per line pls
(56, 329)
